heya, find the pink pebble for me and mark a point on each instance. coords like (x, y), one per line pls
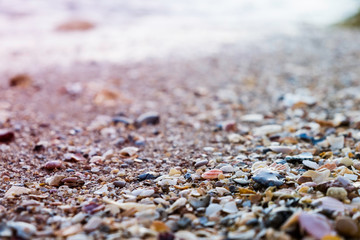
(315, 224)
(212, 174)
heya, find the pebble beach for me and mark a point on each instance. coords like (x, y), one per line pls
(251, 141)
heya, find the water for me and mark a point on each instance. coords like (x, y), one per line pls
(149, 29)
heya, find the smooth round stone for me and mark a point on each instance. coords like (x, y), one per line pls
(346, 226)
(201, 163)
(337, 192)
(346, 161)
(119, 184)
(227, 169)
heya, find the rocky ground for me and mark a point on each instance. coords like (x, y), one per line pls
(255, 142)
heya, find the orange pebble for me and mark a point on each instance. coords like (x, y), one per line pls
(330, 166)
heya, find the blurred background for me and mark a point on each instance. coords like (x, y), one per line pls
(46, 32)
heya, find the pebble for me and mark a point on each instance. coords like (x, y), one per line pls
(346, 226)
(31, 202)
(119, 184)
(346, 161)
(6, 136)
(252, 118)
(122, 119)
(92, 207)
(315, 224)
(248, 235)
(317, 176)
(174, 172)
(227, 169)
(281, 149)
(267, 129)
(336, 142)
(149, 118)
(268, 178)
(212, 174)
(71, 157)
(176, 205)
(159, 226)
(222, 191)
(102, 191)
(213, 209)
(183, 223)
(97, 160)
(235, 138)
(51, 165)
(209, 149)
(78, 218)
(352, 177)
(70, 230)
(228, 126)
(54, 180)
(310, 164)
(241, 181)
(184, 235)
(337, 192)
(201, 163)
(23, 230)
(128, 152)
(230, 207)
(16, 191)
(300, 157)
(146, 176)
(200, 202)
(329, 204)
(20, 80)
(5, 231)
(93, 224)
(143, 192)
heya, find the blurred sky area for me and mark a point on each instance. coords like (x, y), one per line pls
(133, 30)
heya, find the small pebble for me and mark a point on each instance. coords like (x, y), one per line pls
(337, 192)
(314, 224)
(346, 226)
(146, 176)
(149, 118)
(23, 230)
(212, 174)
(268, 178)
(336, 142)
(213, 209)
(227, 169)
(93, 224)
(128, 151)
(51, 165)
(119, 184)
(6, 136)
(230, 207)
(201, 163)
(346, 161)
(200, 202)
(310, 164)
